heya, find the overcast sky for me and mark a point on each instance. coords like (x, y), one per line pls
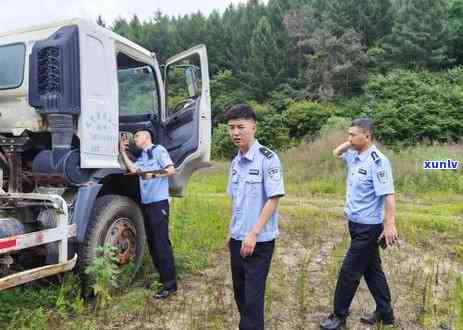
(22, 13)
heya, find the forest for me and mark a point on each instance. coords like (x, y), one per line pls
(308, 64)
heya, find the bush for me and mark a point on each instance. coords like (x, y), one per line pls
(412, 107)
(271, 132)
(306, 118)
(103, 272)
(222, 146)
(335, 123)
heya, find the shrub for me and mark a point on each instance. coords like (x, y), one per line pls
(412, 107)
(222, 147)
(306, 118)
(271, 132)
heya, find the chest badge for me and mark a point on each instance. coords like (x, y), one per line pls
(254, 171)
(363, 171)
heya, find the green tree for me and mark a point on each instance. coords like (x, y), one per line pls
(456, 24)
(266, 67)
(226, 90)
(420, 36)
(371, 18)
(335, 65)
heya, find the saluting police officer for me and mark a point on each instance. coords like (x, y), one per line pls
(370, 190)
(154, 190)
(255, 185)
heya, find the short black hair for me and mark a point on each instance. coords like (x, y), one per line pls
(364, 123)
(241, 111)
(145, 129)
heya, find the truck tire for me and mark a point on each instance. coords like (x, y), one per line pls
(118, 221)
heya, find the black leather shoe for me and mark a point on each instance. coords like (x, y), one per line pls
(164, 293)
(333, 322)
(377, 318)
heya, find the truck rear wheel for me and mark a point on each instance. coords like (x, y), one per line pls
(117, 221)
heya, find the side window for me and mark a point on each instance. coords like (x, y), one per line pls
(12, 59)
(137, 90)
(183, 84)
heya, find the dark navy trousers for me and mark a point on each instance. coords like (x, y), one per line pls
(249, 276)
(156, 217)
(362, 259)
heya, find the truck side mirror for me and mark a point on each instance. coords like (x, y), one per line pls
(192, 82)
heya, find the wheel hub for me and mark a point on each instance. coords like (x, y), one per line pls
(122, 235)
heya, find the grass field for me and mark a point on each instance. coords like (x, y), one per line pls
(423, 273)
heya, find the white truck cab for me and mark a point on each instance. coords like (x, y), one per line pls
(68, 90)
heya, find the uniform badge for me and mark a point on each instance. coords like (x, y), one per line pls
(275, 174)
(382, 176)
(363, 171)
(253, 171)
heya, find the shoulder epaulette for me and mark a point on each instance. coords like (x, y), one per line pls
(266, 152)
(150, 151)
(375, 156)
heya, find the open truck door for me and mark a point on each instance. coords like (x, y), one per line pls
(186, 116)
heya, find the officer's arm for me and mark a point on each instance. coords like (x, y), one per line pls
(340, 149)
(389, 210)
(170, 170)
(269, 207)
(128, 163)
(274, 189)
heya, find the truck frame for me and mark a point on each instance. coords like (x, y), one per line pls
(68, 90)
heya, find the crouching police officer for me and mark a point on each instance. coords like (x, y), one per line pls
(370, 189)
(154, 190)
(255, 185)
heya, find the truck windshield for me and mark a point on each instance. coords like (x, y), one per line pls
(12, 65)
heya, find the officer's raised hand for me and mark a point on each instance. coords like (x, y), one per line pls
(341, 149)
(123, 143)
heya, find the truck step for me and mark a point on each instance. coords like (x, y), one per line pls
(36, 273)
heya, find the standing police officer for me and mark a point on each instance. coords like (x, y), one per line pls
(370, 189)
(154, 190)
(255, 185)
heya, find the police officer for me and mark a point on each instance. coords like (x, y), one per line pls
(255, 185)
(370, 190)
(154, 190)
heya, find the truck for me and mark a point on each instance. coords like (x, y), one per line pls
(68, 91)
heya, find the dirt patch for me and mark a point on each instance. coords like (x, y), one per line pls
(301, 284)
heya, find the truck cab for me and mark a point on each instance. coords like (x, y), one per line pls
(68, 91)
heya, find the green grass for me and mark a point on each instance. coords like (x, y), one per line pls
(422, 272)
(198, 229)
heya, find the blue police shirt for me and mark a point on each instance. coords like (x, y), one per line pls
(157, 188)
(254, 178)
(369, 180)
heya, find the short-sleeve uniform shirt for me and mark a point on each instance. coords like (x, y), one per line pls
(155, 189)
(254, 178)
(369, 180)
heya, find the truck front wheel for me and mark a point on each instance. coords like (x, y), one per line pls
(116, 221)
